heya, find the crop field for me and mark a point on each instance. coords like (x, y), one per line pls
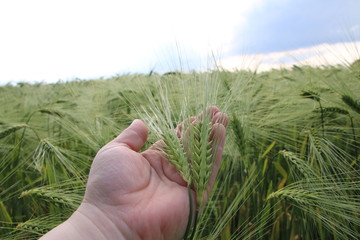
(290, 168)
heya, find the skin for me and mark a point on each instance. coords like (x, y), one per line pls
(133, 195)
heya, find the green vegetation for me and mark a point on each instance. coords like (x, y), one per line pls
(290, 167)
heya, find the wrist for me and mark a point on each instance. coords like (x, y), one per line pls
(89, 222)
(95, 224)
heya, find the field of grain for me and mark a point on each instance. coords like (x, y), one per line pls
(290, 167)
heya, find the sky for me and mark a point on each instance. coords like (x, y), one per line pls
(48, 41)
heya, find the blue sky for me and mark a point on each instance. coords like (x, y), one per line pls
(286, 25)
(48, 41)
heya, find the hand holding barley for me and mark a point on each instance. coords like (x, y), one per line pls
(132, 195)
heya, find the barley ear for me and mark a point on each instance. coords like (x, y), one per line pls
(12, 129)
(175, 154)
(201, 157)
(352, 103)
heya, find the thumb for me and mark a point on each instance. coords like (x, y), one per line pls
(133, 137)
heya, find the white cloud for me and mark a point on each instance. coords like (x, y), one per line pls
(51, 40)
(323, 54)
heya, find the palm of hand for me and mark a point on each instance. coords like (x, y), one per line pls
(141, 189)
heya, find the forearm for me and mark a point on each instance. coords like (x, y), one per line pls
(88, 222)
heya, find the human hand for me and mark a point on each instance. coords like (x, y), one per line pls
(133, 195)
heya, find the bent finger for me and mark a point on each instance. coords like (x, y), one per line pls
(133, 137)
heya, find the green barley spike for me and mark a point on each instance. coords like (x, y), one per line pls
(311, 95)
(201, 157)
(336, 110)
(355, 105)
(176, 155)
(12, 129)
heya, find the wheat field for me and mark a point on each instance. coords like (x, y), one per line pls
(290, 167)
